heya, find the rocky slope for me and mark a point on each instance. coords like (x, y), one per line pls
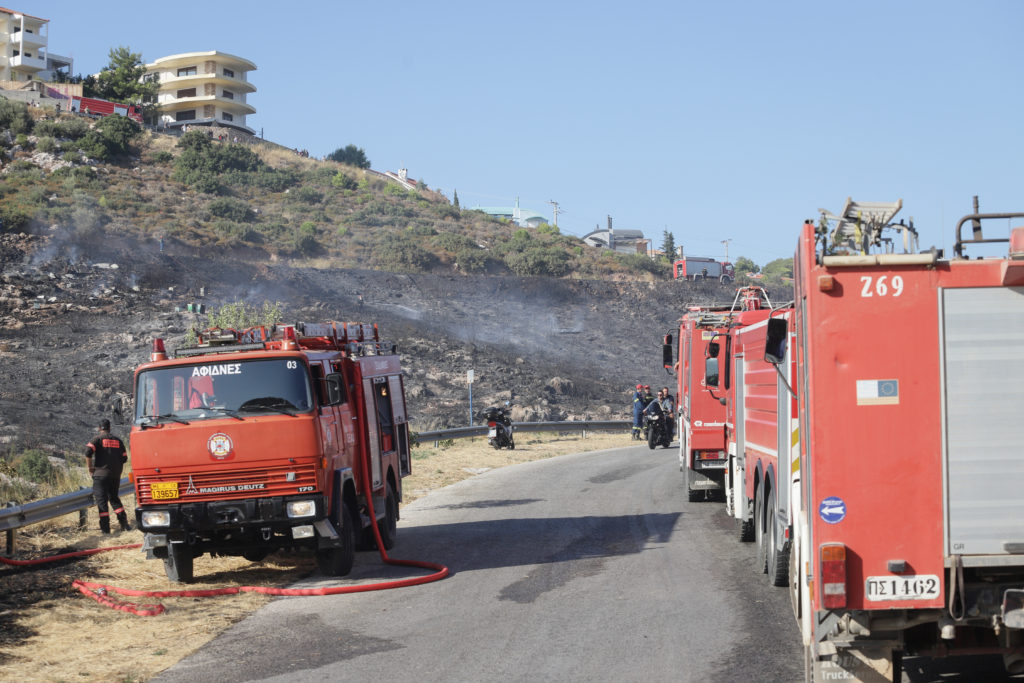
(79, 314)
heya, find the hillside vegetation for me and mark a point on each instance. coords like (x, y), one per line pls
(262, 201)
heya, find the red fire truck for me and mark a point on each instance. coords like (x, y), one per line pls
(703, 330)
(701, 268)
(269, 438)
(895, 515)
(96, 107)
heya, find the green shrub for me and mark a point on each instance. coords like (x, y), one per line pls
(538, 261)
(68, 129)
(35, 466)
(306, 195)
(14, 218)
(15, 116)
(21, 140)
(472, 260)
(420, 230)
(402, 253)
(342, 231)
(230, 209)
(344, 181)
(642, 263)
(453, 242)
(46, 144)
(163, 157)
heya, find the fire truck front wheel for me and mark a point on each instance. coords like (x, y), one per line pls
(338, 561)
(389, 525)
(178, 563)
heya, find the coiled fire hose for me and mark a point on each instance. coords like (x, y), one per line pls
(101, 592)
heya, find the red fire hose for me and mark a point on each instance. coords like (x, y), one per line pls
(101, 592)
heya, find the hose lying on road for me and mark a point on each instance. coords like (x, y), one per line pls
(101, 592)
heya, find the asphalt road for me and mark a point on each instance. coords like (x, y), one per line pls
(588, 567)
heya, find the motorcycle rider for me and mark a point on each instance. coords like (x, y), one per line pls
(654, 409)
(638, 409)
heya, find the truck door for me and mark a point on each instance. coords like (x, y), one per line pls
(330, 430)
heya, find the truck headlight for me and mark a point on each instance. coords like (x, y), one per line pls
(156, 518)
(301, 508)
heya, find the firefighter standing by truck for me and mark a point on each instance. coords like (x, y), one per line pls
(105, 456)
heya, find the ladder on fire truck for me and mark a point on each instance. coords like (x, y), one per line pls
(351, 338)
(860, 226)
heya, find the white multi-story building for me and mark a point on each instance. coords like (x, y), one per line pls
(203, 88)
(24, 50)
(23, 41)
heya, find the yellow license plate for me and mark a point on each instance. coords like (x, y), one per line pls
(163, 490)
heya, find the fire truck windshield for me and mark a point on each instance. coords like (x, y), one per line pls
(217, 388)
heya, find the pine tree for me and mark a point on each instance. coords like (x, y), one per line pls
(668, 245)
(455, 200)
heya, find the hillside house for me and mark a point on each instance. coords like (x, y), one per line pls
(203, 88)
(24, 49)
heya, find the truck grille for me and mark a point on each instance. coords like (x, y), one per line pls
(233, 485)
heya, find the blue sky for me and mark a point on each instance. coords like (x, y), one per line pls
(713, 120)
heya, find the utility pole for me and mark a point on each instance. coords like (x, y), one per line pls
(726, 243)
(553, 203)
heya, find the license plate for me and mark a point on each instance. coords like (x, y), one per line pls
(917, 587)
(492, 433)
(163, 490)
(712, 464)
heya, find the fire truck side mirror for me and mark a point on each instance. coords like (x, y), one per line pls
(335, 388)
(775, 341)
(666, 352)
(712, 349)
(711, 372)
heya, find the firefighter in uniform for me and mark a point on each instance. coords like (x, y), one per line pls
(105, 455)
(668, 406)
(638, 409)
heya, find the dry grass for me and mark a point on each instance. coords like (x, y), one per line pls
(43, 619)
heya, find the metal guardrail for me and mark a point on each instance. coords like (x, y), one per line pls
(18, 516)
(481, 430)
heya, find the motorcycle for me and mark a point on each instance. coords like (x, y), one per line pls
(499, 428)
(657, 429)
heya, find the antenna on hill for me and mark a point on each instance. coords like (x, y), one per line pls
(726, 243)
(553, 203)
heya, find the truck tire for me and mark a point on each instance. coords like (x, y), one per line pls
(178, 563)
(338, 561)
(388, 527)
(759, 535)
(746, 528)
(778, 560)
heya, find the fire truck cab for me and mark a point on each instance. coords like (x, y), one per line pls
(268, 438)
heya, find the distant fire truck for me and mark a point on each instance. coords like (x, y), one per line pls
(703, 331)
(701, 268)
(97, 107)
(268, 438)
(878, 433)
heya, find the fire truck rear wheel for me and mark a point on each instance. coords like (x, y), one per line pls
(338, 561)
(178, 563)
(759, 535)
(778, 560)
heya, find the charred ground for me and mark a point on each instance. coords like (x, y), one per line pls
(78, 316)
